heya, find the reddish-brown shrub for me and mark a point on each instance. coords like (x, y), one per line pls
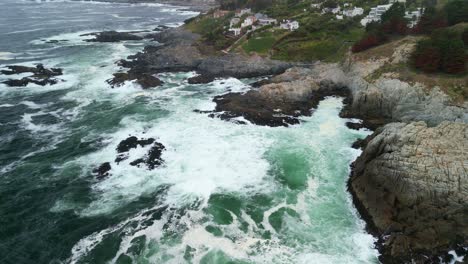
(367, 42)
(428, 59)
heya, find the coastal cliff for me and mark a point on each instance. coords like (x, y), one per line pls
(411, 185)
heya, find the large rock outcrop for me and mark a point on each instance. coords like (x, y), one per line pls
(411, 185)
(181, 50)
(276, 103)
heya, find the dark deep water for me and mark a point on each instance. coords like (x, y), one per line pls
(226, 194)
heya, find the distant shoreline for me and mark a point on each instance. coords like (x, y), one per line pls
(196, 5)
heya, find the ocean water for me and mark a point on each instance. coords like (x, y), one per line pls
(226, 193)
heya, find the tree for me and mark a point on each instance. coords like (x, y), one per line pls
(465, 37)
(393, 20)
(444, 51)
(457, 11)
(330, 4)
(395, 12)
(367, 42)
(430, 21)
(454, 59)
(426, 57)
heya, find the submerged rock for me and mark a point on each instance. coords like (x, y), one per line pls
(411, 186)
(25, 81)
(152, 159)
(40, 75)
(132, 142)
(103, 170)
(201, 79)
(146, 81)
(112, 36)
(38, 71)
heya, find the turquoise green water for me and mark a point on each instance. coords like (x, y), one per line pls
(227, 193)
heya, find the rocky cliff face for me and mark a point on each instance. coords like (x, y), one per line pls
(411, 183)
(388, 99)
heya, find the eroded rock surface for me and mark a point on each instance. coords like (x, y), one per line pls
(411, 185)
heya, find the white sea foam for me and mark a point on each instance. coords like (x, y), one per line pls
(7, 55)
(202, 158)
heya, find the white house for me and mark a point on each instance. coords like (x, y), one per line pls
(336, 10)
(234, 21)
(395, 1)
(339, 17)
(413, 17)
(356, 11)
(289, 25)
(267, 21)
(318, 5)
(248, 21)
(244, 11)
(264, 20)
(235, 31)
(375, 14)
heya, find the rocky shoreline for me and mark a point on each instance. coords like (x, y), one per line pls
(410, 184)
(180, 51)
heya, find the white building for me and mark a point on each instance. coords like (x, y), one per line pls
(375, 14)
(235, 31)
(395, 1)
(234, 21)
(264, 20)
(289, 25)
(413, 17)
(244, 11)
(336, 10)
(339, 17)
(356, 11)
(318, 5)
(248, 21)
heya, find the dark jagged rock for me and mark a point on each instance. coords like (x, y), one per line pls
(147, 81)
(260, 83)
(40, 75)
(132, 142)
(144, 80)
(152, 159)
(278, 104)
(112, 36)
(38, 71)
(201, 79)
(25, 81)
(103, 170)
(354, 125)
